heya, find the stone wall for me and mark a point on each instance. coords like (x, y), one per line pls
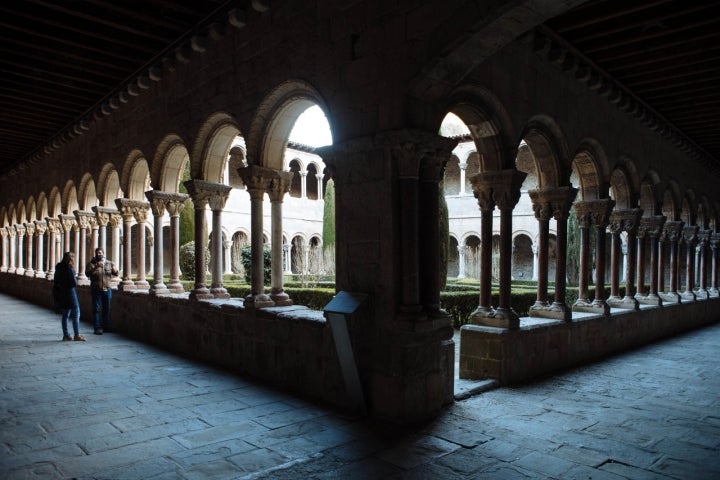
(537, 349)
(289, 347)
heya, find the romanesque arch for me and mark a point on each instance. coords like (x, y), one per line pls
(548, 150)
(135, 177)
(108, 186)
(88, 197)
(589, 171)
(169, 163)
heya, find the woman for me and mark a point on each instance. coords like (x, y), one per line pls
(68, 300)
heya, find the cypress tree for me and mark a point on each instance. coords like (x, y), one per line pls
(329, 216)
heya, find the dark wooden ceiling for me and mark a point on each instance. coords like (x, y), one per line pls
(59, 60)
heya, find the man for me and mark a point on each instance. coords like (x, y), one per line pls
(100, 272)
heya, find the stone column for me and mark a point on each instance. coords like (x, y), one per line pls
(278, 187)
(463, 168)
(286, 259)
(140, 212)
(83, 220)
(68, 223)
(320, 177)
(20, 265)
(3, 250)
(432, 167)
(12, 237)
(673, 231)
(53, 228)
(40, 231)
(650, 228)
(407, 163)
(703, 237)
(561, 202)
(461, 261)
(593, 212)
(257, 180)
(303, 184)
(615, 227)
(127, 208)
(157, 201)
(626, 220)
(29, 255)
(640, 261)
(483, 193)
(216, 200)
(200, 201)
(690, 236)
(505, 187)
(662, 253)
(174, 206)
(543, 211)
(536, 268)
(714, 242)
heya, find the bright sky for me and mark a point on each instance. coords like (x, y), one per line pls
(312, 128)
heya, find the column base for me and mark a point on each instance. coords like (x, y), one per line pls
(83, 281)
(688, 296)
(702, 294)
(30, 273)
(714, 292)
(629, 303)
(500, 317)
(159, 289)
(649, 299)
(20, 271)
(127, 285)
(49, 276)
(11, 270)
(219, 292)
(260, 300)
(200, 293)
(142, 285)
(670, 297)
(40, 275)
(558, 311)
(175, 287)
(280, 298)
(599, 307)
(3, 269)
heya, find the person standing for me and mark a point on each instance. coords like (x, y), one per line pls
(100, 271)
(65, 279)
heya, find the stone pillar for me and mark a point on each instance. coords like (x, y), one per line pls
(626, 220)
(227, 265)
(303, 184)
(662, 253)
(286, 259)
(505, 187)
(536, 268)
(20, 265)
(257, 180)
(690, 236)
(200, 201)
(29, 255)
(593, 212)
(703, 237)
(673, 231)
(12, 236)
(652, 227)
(102, 218)
(714, 242)
(115, 223)
(53, 227)
(561, 203)
(543, 211)
(83, 220)
(463, 168)
(174, 206)
(157, 201)
(3, 250)
(640, 261)
(320, 177)
(217, 196)
(68, 223)
(40, 231)
(278, 187)
(127, 207)
(140, 212)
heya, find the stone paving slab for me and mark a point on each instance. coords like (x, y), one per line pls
(112, 408)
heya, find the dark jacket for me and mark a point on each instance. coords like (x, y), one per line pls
(66, 282)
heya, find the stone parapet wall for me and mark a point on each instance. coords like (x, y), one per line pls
(288, 347)
(512, 356)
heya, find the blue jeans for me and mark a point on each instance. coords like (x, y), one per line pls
(72, 313)
(101, 303)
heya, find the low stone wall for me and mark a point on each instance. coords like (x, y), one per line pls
(539, 348)
(289, 347)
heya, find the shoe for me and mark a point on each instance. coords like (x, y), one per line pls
(98, 332)
(79, 338)
(67, 338)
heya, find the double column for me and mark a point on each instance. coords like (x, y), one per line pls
(258, 181)
(649, 232)
(174, 203)
(215, 195)
(703, 237)
(689, 235)
(672, 233)
(547, 203)
(714, 243)
(592, 213)
(85, 221)
(133, 210)
(501, 189)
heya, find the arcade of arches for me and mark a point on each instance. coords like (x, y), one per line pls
(541, 141)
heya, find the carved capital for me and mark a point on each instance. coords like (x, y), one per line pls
(257, 180)
(53, 225)
(83, 219)
(689, 233)
(68, 222)
(672, 230)
(555, 200)
(703, 236)
(504, 186)
(130, 209)
(651, 226)
(20, 230)
(279, 185)
(41, 227)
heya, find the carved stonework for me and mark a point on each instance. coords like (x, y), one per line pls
(41, 227)
(130, 209)
(626, 220)
(672, 230)
(279, 185)
(83, 219)
(689, 233)
(257, 179)
(68, 222)
(30, 229)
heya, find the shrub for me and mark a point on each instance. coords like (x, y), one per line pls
(246, 254)
(187, 260)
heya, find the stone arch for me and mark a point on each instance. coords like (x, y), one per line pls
(451, 179)
(621, 188)
(108, 186)
(275, 118)
(689, 208)
(671, 201)
(54, 203)
(3, 217)
(472, 168)
(31, 209)
(21, 214)
(311, 185)
(295, 166)
(649, 198)
(714, 217)
(489, 124)
(589, 171)
(522, 255)
(525, 162)
(169, 163)
(11, 215)
(86, 192)
(549, 150)
(69, 197)
(135, 179)
(42, 206)
(297, 255)
(453, 265)
(210, 151)
(701, 215)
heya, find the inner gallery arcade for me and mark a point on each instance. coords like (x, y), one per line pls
(562, 140)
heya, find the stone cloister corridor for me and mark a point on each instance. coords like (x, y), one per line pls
(559, 136)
